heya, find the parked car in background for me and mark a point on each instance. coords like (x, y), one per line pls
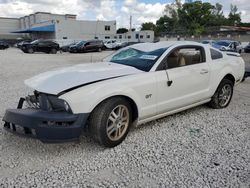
(247, 48)
(125, 44)
(3, 45)
(137, 84)
(19, 44)
(87, 46)
(227, 45)
(211, 42)
(65, 48)
(112, 44)
(46, 46)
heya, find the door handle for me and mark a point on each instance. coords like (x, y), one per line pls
(204, 71)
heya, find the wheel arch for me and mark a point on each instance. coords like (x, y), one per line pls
(229, 77)
(133, 105)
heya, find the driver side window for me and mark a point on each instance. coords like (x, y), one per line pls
(185, 56)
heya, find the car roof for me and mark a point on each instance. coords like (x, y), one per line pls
(94, 40)
(162, 44)
(226, 41)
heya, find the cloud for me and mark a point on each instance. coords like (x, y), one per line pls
(130, 3)
(141, 12)
(106, 11)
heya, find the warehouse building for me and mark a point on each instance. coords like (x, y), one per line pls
(7, 25)
(136, 36)
(65, 28)
(55, 26)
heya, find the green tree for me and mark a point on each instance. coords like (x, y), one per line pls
(122, 30)
(169, 22)
(148, 26)
(195, 16)
(218, 9)
(234, 18)
(165, 24)
(217, 17)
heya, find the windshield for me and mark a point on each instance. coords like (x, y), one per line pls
(205, 42)
(35, 41)
(223, 43)
(80, 43)
(138, 59)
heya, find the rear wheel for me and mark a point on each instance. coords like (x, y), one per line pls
(30, 51)
(110, 121)
(99, 49)
(223, 95)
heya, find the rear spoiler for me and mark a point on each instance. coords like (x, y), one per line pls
(233, 54)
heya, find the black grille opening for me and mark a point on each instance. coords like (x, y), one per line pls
(57, 124)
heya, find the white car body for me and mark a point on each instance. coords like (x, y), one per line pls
(112, 44)
(85, 86)
(238, 46)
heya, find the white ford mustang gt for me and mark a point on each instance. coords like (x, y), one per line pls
(135, 85)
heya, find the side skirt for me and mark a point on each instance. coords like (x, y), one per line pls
(172, 112)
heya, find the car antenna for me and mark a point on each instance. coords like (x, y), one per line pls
(169, 82)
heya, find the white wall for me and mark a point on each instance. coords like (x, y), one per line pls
(41, 17)
(84, 30)
(8, 25)
(131, 36)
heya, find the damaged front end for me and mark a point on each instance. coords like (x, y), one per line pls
(45, 117)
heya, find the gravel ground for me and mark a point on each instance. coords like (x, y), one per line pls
(200, 147)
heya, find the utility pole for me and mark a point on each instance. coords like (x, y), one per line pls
(130, 23)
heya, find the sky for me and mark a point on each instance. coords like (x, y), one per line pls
(119, 10)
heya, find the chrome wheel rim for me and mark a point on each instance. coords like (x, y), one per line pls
(225, 95)
(117, 123)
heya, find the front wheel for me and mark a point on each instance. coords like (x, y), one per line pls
(110, 121)
(223, 95)
(53, 51)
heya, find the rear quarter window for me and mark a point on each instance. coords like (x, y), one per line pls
(215, 54)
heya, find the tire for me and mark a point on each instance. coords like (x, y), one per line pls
(99, 49)
(224, 93)
(239, 51)
(105, 123)
(30, 51)
(53, 51)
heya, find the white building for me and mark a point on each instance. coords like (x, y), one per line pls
(55, 26)
(7, 25)
(136, 36)
(66, 28)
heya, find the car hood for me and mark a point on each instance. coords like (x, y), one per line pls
(56, 81)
